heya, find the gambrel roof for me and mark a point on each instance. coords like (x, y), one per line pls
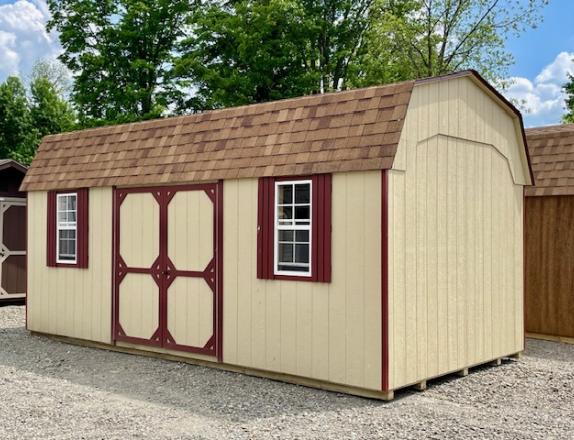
(356, 130)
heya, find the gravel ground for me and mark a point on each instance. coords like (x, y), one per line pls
(53, 390)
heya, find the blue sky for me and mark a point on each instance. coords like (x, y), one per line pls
(543, 56)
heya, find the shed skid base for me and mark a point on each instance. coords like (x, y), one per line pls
(280, 377)
(422, 385)
(463, 372)
(551, 338)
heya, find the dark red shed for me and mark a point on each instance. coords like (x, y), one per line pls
(12, 231)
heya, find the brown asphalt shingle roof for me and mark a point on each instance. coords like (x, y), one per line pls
(552, 155)
(344, 131)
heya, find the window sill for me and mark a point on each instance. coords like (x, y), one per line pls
(69, 265)
(305, 278)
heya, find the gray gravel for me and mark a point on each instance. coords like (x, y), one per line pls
(53, 390)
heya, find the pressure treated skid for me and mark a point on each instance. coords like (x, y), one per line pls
(425, 250)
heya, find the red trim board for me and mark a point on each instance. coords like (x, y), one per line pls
(385, 280)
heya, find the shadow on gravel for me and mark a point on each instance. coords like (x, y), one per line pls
(204, 391)
(12, 302)
(548, 350)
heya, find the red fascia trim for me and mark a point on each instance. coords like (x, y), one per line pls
(385, 280)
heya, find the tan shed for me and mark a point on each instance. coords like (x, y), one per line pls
(360, 241)
(550, 234)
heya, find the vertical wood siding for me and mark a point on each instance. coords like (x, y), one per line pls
(69, 301)
(455, 234)
(326, 331)
(549, 274)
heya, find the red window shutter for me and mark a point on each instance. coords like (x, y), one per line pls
(265, 228)
(83, 222)
(81, 231)
(320, 229)
(51, 231)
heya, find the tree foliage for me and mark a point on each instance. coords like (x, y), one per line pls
(138, 59)
(251, 51)
(569, 89)
(27, 117)
(442, 36)
(16, 137)
(120, 52)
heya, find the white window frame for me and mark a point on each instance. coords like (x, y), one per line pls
(277, 227)
(66, 226)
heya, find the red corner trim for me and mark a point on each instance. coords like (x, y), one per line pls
(524, 267)
(385, 280)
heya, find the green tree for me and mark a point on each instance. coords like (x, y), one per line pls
(55, 72)
(442, 36)
(25, 118)
(120, 52)
(17, 134)
(258, 50)
(247, 51)
(50, 113)
(244, 52)
(568, 118)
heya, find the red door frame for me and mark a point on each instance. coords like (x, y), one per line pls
(164, 272)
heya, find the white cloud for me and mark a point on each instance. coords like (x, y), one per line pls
(23, 37)
(542, 100)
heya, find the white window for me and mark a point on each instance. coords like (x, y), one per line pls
(67, 228)
(293, 228)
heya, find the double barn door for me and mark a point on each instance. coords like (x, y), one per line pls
(167, 261)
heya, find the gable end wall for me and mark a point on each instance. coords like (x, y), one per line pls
(455, 234)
